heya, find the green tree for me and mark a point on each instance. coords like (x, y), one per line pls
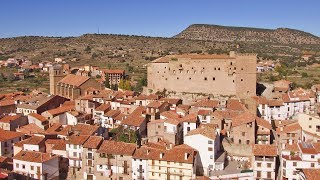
(121, 84)
(127, 85)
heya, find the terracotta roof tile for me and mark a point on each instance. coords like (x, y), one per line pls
(243, 118)
(33, 140)
(38, 116)
(103, 107)
(205, 131)
(263, 123)
(30, 129)
(8, 135)
(170, 114)
(264, 150)
(62, 109)
(33, 156)
(112, 113)
(93, 142)
(192, 118)
(311, 174)
(235, 105)
(9, 118)
(74, 80)
(7, 103)
(78, 140)
(307, 148)
(118, 148)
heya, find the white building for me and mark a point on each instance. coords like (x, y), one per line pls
(207, 142)
(74, 148)
(36, 165)
(7, 139)
(264, 161)
(305, 156)
(140, 163)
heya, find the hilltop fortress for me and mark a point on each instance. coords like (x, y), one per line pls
(225, 75)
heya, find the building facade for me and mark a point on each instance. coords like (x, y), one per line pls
(210, 74)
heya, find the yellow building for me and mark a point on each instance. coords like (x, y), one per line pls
(176, 163)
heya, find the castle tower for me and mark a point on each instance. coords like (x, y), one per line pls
(55, 75)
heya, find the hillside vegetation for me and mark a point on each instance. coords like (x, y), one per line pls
(244, 34)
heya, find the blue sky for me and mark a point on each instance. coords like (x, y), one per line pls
(150, 17)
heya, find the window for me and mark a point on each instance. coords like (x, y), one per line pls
(188, 129)
(211, 156)
(312, 164)
(239, 141)
(213, 78)
(248, 141)
(32, 168)
(17, 165)
(310, 126)
(241, 79)
(74, 146)
(294, 163)
(74, 154)
(209, 142)
(258, 173)
(312, 156)
(258, 164)
(209, 148)
(23, 166)
(243, 133)
(269, 165)
(205, 78)
(269, 175)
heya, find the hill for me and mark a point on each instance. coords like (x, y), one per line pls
(246, 34)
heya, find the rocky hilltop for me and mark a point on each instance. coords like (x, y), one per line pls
(245, 34)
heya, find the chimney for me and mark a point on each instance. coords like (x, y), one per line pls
(148, 151)
(281, 128)
(161, 155)
(186, 155)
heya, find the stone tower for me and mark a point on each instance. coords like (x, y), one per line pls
(55, 75)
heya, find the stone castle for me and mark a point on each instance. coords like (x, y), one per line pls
(225, 75)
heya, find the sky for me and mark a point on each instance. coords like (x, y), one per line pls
(163, 18)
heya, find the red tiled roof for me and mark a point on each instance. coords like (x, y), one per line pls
(307, 149)
(118, 148)
(33, 156)
(61, 109)
(263, 123)
(193, 118)
(8, 118)
(93, 142)
(78, 140)
(204, 112)
(30, 129)
(264, 150)
(311, 174)
(74, 80)
(205, 131)
(103, 107)
(243, 118)
(38, 116)
(8, 135)
(7, 103)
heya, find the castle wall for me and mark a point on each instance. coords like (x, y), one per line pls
(228, 76)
